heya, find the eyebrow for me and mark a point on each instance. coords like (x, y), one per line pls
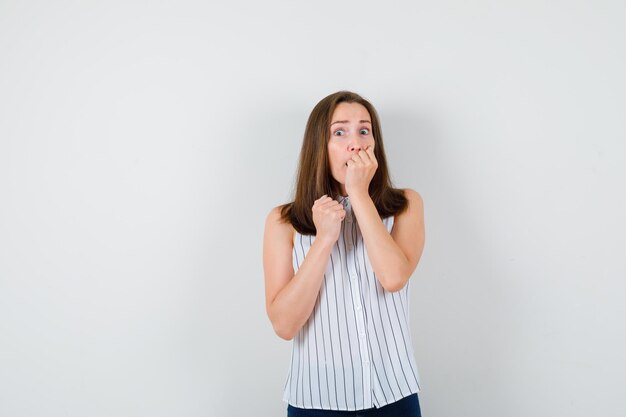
(346, 121)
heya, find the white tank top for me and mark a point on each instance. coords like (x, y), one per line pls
(355, 350)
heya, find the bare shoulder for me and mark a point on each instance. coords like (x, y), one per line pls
(411, 220)
(415, 204)
(274, 215)
(415, 199)
(408, 230)
(277, 227)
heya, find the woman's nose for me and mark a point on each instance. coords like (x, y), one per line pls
(354, 146)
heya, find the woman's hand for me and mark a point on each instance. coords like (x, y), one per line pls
(327, 217)
(361, 169)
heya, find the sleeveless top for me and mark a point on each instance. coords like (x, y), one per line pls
(355, 350)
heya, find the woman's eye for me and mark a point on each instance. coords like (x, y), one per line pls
(364, 131)
(339, 132)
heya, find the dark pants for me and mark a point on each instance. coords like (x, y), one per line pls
(406, 407)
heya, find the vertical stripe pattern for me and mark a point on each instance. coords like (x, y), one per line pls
(355, 351)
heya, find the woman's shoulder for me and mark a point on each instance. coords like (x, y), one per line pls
(414, 206)
(275, 213)
(276, 217)
(277, 225)
(410, 222)
(412, 196)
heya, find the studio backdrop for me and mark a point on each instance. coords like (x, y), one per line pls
(142, 145)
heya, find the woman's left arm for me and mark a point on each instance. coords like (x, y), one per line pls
(393, 256)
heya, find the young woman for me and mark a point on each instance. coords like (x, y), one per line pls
(337, 264)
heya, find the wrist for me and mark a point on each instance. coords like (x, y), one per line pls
(323, 242)
(358, 195)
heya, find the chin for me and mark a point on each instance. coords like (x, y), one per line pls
(341, 182)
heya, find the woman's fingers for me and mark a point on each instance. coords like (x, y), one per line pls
(328, 214)
(370, 152)
(361, 169)
(322, 200)
(364, 157)
(327, 204)
(367, 156)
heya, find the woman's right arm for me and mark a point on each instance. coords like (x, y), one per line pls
(289, 297)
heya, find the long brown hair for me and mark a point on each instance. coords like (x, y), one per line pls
(314, 178)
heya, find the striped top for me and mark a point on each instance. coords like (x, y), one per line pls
(355, 350)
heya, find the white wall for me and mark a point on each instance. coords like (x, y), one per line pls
(142, 144)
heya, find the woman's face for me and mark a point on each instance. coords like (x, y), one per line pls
(350, 131)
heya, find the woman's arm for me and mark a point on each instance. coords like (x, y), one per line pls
(393, 256)
(289, 297)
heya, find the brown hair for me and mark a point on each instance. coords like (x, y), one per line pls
(314, 178)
